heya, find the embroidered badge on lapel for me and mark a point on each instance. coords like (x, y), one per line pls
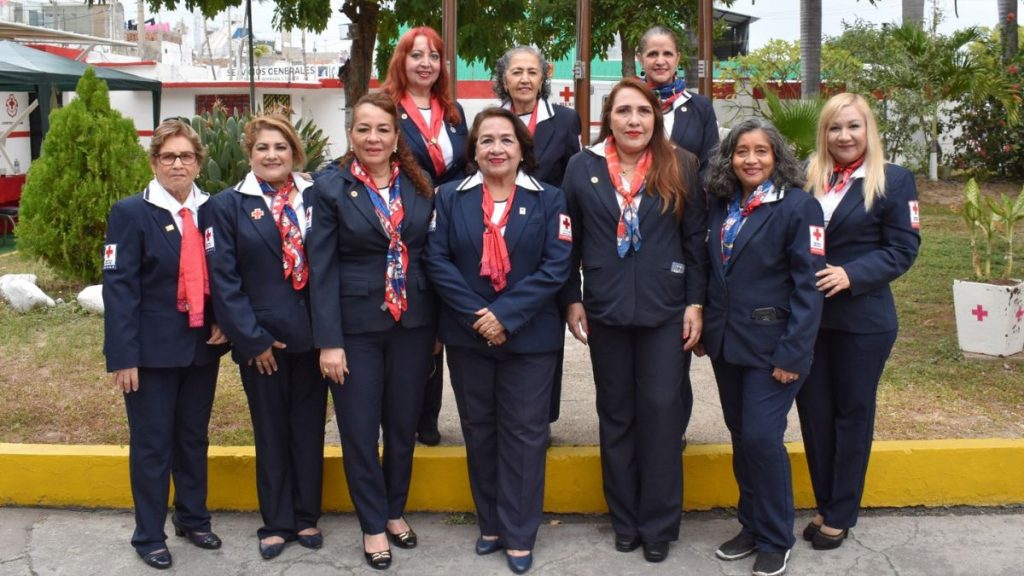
(818, 240)
(915, 215)
(433, 221)
(208, 240)
(564, 228)
(110, 257)
(169, 228)
(309, 217)
(522, 210)
(256, 214)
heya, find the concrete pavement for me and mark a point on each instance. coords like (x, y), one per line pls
(906, 542)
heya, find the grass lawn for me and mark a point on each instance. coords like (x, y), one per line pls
(55, 388)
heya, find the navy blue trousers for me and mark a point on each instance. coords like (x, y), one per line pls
(637, 372)
(837, 418)
(168, 424)
(384, 388)
(755, 406)
(503, 401)
(289, 411)
(432, 395)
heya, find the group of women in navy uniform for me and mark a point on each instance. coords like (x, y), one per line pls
(655, 242)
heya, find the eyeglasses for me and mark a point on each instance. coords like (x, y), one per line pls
(167, 158)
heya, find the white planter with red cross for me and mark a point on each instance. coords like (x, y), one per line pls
(989, 317)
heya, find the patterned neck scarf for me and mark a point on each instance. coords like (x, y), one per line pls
(431, 134)
(495, 262)
(391, 216)
(737, 216)
(193, 280)
(627, 233)
(841, 175)
(293, 254)
(669, 93)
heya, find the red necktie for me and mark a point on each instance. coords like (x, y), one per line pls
(193, 282)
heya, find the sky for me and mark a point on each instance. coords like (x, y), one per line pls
(778, 18)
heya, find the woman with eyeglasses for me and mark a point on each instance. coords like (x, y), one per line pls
(257, 256)
(161, 344)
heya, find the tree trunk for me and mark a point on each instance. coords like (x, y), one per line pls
(628, 56)
(810, 49)
(913, 12)
(1008, 28)
(363, 15)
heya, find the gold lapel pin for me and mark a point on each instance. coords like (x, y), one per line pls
(169, 228)
(353, 193)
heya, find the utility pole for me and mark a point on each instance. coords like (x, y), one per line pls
(581, 68)
(449, 25)
(705, 50)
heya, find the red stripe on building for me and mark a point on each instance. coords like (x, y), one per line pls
(19, 134)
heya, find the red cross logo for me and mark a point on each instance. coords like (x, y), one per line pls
(817, 233)
(110, 251)
(12, 106)
(1020, 314)
(565, 224)
(566, 94)
(209, 234)
(980, 313)
(913, 207)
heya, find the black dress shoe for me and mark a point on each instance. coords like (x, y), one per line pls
(810, 530)
(655, 551)
(822, 541)
(159, 559)
(378, 560)
(312, 541)
(626, 543)
(429, 437)
(519, 564)
(406, 540)
(485, 547)
(271, 551)
(205, 540)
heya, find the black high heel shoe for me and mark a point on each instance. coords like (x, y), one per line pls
(406, 540)
(378, 560)
(204, 540)
(159, 559)
(810, 530)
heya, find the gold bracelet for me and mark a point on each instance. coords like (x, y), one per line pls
(697, 306)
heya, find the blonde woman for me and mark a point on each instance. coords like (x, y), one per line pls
(872, 227)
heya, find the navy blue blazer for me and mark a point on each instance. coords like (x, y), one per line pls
(555, 140)
(347, 249)
(142, 325)
(874, 248)
(457, 133)
(250, 293)
(539, 246)
(764, 312)
(695, 126)
(649, 287)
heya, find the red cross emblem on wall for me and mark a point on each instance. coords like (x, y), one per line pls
(566, 94)
(11, 104)
(980, 313)
(1020, 314)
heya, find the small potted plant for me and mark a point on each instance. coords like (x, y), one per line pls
(990, 309)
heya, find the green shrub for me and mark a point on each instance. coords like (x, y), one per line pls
(91, 158)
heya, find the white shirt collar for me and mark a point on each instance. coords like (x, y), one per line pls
(544, 110)
(251, 186)
(683, 99)
(157, 195)
(598, 149)
(523, 180)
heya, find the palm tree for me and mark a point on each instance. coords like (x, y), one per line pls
(913, 12)
(1008, 28)
(810, 48)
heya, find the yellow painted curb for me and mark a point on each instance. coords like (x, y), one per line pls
(901, 473)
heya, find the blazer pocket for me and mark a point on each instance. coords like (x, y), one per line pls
(355, 288)
(423, 284)
(769, 315)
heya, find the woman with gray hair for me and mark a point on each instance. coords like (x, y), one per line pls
(522, 81)
(763, 309)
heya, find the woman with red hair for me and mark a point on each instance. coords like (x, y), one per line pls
(433, 126)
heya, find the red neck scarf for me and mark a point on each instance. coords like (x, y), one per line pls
(495, 263)
(431, 134)
(193, 281)
(841, 175)
(628, 230)
(532, 125)
(292, 252)
(391, 214)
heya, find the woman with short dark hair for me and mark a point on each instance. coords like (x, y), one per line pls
(765, 244)
(498, 254)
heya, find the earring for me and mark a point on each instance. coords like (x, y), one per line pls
(395, 151)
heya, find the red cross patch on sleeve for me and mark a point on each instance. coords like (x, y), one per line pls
(208, 240)
(817, 240)
(110, 257)
(564, 228)
(915, 215)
